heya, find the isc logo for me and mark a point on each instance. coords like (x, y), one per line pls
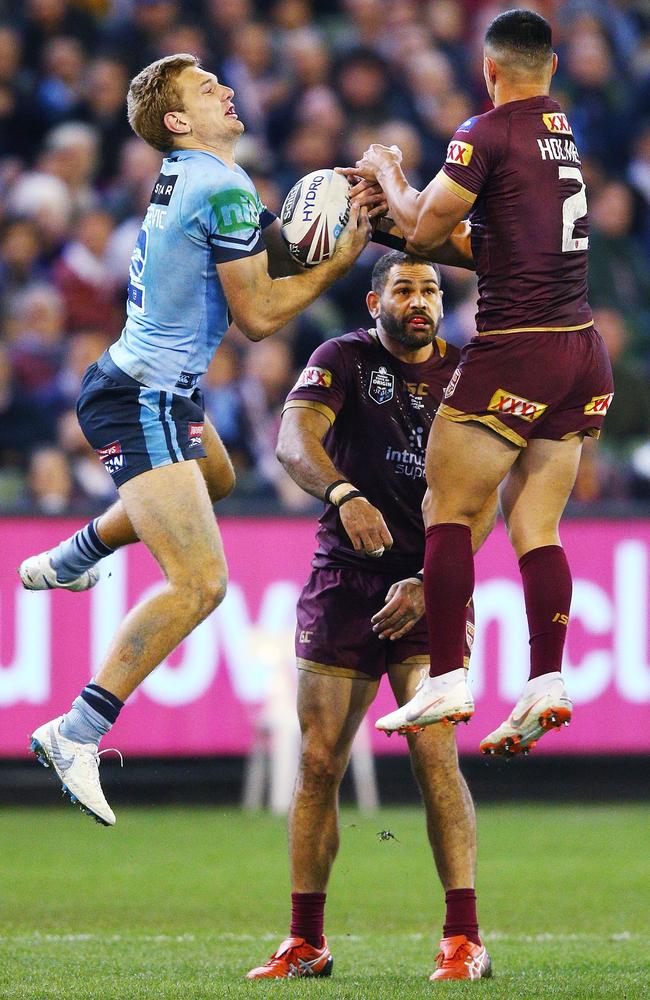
(516, 406)
(459, 152)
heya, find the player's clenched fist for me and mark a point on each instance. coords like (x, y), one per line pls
(365, 527)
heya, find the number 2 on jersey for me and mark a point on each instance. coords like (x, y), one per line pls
(573, 208)
(136, 269)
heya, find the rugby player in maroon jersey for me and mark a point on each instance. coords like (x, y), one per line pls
(534, 381)
(353, 433)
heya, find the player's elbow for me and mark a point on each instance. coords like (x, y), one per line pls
(257, 328)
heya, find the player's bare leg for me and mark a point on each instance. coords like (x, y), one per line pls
(171, 512)
(533, 499)
(465, 463)
(451, 820)
(72, 565)
(451, 826)
(330, 711)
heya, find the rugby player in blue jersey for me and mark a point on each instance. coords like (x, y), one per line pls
(207, 245)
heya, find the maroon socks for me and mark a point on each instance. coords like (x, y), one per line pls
(307, 916)
(461, 914)
(547, 591)
(448, 586)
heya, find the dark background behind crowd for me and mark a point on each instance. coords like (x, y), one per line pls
(315, 82)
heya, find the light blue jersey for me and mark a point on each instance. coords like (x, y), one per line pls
(202, 212)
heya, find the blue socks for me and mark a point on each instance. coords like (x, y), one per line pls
(75, 555)
(92, 715)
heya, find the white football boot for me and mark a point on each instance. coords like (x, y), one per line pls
(38, 573)
(446, 698)
(77, 765)
(544, 705)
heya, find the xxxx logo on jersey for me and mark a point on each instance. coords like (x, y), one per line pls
(313, 376)
(516, 406)
(459, 152)
(557, 122)
(599, 404)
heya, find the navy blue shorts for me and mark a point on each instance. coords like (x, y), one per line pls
(134, 428)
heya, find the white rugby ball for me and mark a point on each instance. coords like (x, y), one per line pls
(314, 212)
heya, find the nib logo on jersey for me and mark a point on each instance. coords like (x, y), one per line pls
(409, 461)
(112, 457)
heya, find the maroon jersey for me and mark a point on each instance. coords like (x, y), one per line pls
(519, 168)
(381, 410)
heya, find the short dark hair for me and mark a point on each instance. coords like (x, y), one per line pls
(524, 34)
(389, 260)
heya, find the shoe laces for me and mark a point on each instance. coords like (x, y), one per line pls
(111, 750)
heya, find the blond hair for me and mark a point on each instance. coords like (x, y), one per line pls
(152, 93)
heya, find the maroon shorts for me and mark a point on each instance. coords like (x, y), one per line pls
(334, 633)
(550, 385)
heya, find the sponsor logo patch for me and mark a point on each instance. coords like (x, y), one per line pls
(163, 189)
(381, 387)
(516, 406)
(314, 376)
(459, 152)
(187, 380)
(111, 457)
(599, 404)
(453, 382)
(235, 210)
(470, 632)
(194, 435)
(557, 122)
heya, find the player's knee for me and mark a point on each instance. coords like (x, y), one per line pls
(199, 594)
(320, 766)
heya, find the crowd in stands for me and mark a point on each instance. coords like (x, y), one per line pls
(315, 82)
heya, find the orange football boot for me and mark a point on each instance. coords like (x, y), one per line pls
(460, 958)
(294, 959)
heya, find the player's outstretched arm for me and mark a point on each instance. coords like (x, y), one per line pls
(456, 251)
(280, 262)
(300, 450)
(426, 218)
(260, 305)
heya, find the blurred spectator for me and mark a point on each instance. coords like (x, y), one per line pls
(618, 273)
(49, 482)
(84, 278)
(24, 425)
(37, 335)
(105, 86)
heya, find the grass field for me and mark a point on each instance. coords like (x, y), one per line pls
(179, 903)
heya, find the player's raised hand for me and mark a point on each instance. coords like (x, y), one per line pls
(375, 159)
(354, 237)
(403, 608)
(368, 194)
(365, 527)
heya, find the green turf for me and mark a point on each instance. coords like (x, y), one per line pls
(179, 903)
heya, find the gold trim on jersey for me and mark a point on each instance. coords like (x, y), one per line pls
(537, 329)
(330, 670)
(310, 404)
(442, 346)
(458, 416)
(456, 188)
(592, 432)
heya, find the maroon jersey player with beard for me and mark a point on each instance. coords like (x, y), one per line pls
(353, 433)
(534, 381)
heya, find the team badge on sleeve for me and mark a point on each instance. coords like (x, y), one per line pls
(381, 386)
(459, 152)
(314, 377)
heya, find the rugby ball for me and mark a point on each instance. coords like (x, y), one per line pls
(314, 212)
